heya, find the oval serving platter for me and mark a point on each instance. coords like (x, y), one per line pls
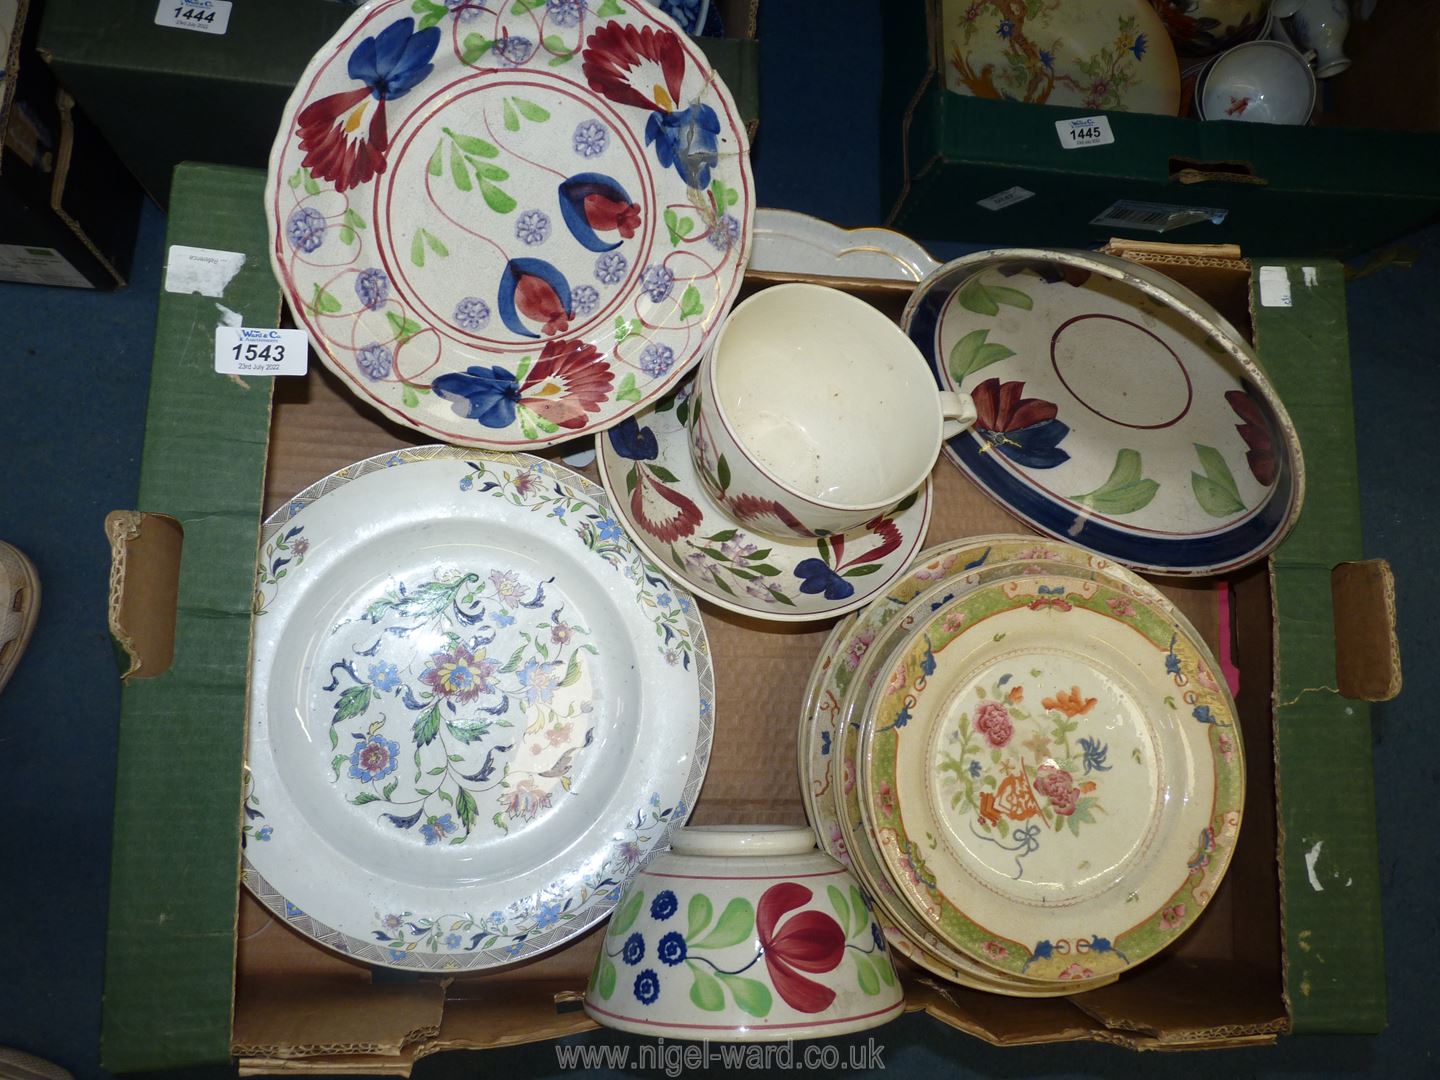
(1116, 409)
(508, 226)
(476, 710)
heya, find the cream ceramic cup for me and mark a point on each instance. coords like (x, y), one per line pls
(814, 413)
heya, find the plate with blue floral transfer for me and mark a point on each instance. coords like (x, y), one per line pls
(1116, 410)
(510, 225)
(476, 710)
(646, 467)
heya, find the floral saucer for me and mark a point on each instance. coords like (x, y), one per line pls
(1053, 776)
(1116, 409)
(509, 225)
(646, 467)
(477, 709)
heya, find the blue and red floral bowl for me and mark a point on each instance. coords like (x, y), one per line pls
(743, 933)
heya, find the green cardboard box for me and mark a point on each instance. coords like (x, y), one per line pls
(1279, 189)
(163, 95)
(197, 972)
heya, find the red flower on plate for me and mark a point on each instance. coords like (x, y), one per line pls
(811, 942)
(569, 380)
(1258, 436)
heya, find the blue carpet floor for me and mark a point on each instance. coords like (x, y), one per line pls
(71, 420)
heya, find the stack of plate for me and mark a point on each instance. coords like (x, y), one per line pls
(1026, 754)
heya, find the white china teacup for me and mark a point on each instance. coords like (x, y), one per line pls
(1262, 81)
(814, 413)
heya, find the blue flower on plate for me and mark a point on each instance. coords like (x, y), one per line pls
(647, 987)
(657, 281)
(564, 12)
(634, 950)
(453, 941)
(663, 906)
(266, 831)
(385, 676)
(532, 227)
(548, 915)
(438, 828)
(512, 50)
(1026, 430)
(306, 229)
(373, 758)
(1094, 753)
(671, 949)
(472, 313)
(610, 267)
(816, 577)
(373, 288)
(585, 299)
(398, 955)
(687, 140)
(465, 10)
(1005, 29)
(609, 529)
(374, 361)
(726, 234)
(656, 360)
(630, 440)
(590, 139)
(975, 769)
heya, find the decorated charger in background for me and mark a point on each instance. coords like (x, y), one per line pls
(510, 226)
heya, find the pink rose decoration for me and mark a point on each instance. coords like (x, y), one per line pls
(1172, 917)
(1058, 786)
(995, 950)
(993, 721)
(1064, 804)
(1075, 971)
(837, 845)
(1121, 607)
(848, 777)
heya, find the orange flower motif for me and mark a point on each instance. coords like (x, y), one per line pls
(1016, 695)
(1071, 704)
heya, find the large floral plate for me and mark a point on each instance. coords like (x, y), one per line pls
(476, 710)
(1116, 409)
(646, 466)
(1095, 54)
(509, 225)
(1053, 776)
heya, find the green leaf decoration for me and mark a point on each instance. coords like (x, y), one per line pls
(512, 122)
(677, 227)
(522, 6)
(605, 984)
(347, 234)
(471, 145)
(609, 7)
(513, 664)
(467, 731)
(338, 760)
(427, 725)
(495, 198)
(698, 914)
(984, 299)
(365, 797)
(734, 926)
(334, 740)
(437, 160)
(457, 170)
(662, 473)
(971, 353)
(1215, 491)
(1003, 294)
(626, 914)
(352, 703)
(531, 111)
(410, 399)
(563, 58)
(354, 220)
(473, 47)
(884, 967)
(489, 172)
(404, 328)
(628, 390)
(433, 242)
(860, 911)
(572, 671)
(869, 981)
(723, 473)
(861, 571)
(311, 187)
(390, 789)
(1125, 492)
(725, 197)
(841, 906)
(690, 303)
(430, 13)
(705, 991)
(295, 177)
(465, 807)
(417, 248)
(631, 479)
(751, 996)
(323, 302)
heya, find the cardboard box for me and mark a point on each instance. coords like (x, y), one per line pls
(68, 211)
(163, 95)
(1295, 190)
(1290, 943)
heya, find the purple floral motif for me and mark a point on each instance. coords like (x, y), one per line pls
(373, 759)
(816, 577)
(656, 360)
(565, 12)
(306, 229)
(373, 288)
(585, 298)
(591, 138)
(726, 234)
(610, 267)
(472, 313)
(1026, 430)
(532, 227)
(538, 680)
(657, 281)
(512, 50)
(465, 10)
(374, 361)
(437, 828)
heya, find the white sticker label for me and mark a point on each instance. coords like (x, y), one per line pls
(39, 266)
(1085, 131)
(201, 270)
(245, 350)
(1157, 217)
(1274, 287)
(207, 16)
(1002, 199)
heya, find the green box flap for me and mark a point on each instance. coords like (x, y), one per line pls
(174, 878)
(1335, 961)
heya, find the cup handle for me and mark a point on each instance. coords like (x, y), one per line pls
(958, 411)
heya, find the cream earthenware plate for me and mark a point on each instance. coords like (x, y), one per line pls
(646, 466)
(795, 244)
(1117, 410)
(1095, 54)
(1053, 776)
(509, 225)
(476, 710)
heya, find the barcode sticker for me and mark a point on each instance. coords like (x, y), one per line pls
(1156, 217)
(1002, 199)
(1084, 131)
(206, 16)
